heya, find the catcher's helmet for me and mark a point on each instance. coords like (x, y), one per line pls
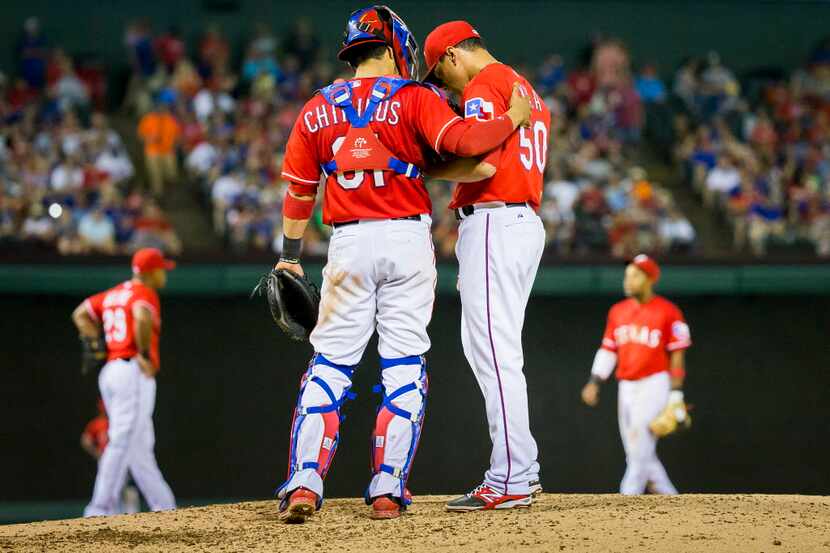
(380, 25)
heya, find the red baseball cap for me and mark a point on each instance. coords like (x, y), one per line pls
(648, 266)
(442, 37)
(148, 259)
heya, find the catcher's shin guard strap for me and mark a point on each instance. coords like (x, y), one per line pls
(387, 412)
(313, 444)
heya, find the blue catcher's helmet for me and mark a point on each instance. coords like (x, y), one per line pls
(380, 25)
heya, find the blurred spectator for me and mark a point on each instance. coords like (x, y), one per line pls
(649, 86)
(153, 230)
(170, 48)
(301, 43)
(32, 54)
(721, 179)
(214, 53)
(97, 232)
(160, 132)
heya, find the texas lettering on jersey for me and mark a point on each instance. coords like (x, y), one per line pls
(520, 161)
(114, 310)
(643, 336)
(409, 125)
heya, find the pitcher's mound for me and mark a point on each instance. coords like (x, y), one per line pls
(589, 523)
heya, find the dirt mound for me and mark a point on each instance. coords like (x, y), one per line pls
(601, 523)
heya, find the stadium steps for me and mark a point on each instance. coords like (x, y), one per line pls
(714, 239)
(182, 203)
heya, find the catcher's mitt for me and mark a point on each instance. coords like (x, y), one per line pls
(294, 302)
(93, 354)
(674, 418)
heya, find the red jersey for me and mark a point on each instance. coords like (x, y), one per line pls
(520, 161)
(114, 309)
(642, 336)
(96, 430)
(408, 124)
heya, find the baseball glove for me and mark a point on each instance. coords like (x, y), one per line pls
(93, 354)
(674, 418)
(293, 300)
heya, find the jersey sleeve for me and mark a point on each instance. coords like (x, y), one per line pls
(609, 342)
(94, 306)
(434, 118)
(301, 164)
(482, 101)
(679, 336)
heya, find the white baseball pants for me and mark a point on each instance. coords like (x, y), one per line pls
(639, 402)
(380, 275)
(130, 398)
(498, 252)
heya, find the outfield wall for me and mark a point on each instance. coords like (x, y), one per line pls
(758, 379)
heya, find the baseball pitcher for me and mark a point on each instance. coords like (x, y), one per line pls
(369, 138)
(499, 247)
(130, 317)
(645, 338)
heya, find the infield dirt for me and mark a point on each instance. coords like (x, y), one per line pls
(589, 523)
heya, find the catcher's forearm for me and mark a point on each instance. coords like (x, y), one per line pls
(294, 228)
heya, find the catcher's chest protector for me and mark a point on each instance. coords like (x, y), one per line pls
(360, 149)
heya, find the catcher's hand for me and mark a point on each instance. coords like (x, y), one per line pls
(674, 418)
(93, 354)
(294, 301)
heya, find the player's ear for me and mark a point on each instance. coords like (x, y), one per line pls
(450, 54)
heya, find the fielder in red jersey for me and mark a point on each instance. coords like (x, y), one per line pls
(130, 318)
(645, 338)
(115, 310)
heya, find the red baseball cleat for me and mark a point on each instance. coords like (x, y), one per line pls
(484, 498)
(301, 504)
(385, 507)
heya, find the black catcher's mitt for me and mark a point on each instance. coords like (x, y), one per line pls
(93, 354)
(294, 302)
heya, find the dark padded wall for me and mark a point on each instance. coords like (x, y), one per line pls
(757, 376)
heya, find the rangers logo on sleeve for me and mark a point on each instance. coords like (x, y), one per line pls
(479, 108)
(680, 330)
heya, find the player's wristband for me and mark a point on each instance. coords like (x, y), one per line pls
(676, 396)
(595, 380)
(291, 248)
(678, 372)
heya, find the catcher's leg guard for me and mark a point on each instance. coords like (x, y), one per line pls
(315, 427)
(398, 426)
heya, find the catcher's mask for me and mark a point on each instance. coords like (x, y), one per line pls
(380, 25)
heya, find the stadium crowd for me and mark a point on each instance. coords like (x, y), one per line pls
(66, 180)
(234, 122)
(759, 156)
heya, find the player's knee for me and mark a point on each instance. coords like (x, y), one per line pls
(323, 385)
